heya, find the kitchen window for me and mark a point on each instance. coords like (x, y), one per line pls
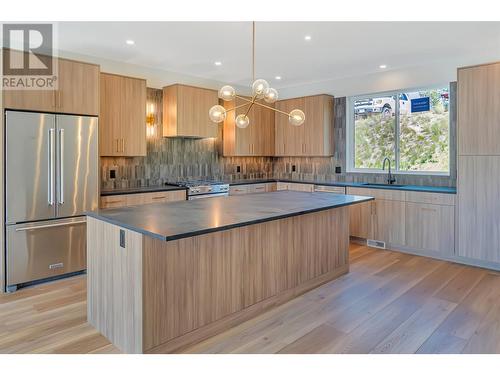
(411, 128)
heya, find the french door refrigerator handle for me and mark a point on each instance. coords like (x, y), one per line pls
(51, 165)
(61, 166)
(34, 227)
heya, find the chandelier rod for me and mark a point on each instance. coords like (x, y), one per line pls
(262, 105)
(253, 51)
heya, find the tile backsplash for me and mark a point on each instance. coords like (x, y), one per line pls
(173, 159)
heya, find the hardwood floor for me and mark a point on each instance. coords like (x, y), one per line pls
(389, 303)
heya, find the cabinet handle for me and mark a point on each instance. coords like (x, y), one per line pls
(117, 148)
(158, 197)
(123, 145)
(428, 209)
(59, 99)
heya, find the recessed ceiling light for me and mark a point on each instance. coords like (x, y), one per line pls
(218, 63)
(277, 78)
(383, 66)
(307, 37)
(130, 42)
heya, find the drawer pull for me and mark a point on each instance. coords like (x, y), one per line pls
(159, 197)
(55, 266)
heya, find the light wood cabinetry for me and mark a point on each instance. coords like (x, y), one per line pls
(315, 136)
(479, 207)
(479, 110)
(122, 122)
(295, 186)
(360, 220)
(388, 219)
(78, 88)
(77, 91)
(185, 112)
(252, 188)
(418, 221)
(478, 197)
(122, 200)
(430, 227)
(255, 140)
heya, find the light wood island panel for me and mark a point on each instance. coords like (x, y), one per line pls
(195, 287)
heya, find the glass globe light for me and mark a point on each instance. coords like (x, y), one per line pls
(296, 117)
(227, 93)
(259, 88)
(271, 95)
(242, 121)
(217, 113)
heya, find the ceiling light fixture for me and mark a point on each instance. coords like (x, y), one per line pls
(277, 78)
(260, 91)
(130, 42)
(383, 66)
(307, 37)
(218, 63)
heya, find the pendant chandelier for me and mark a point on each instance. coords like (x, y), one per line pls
(260, 91)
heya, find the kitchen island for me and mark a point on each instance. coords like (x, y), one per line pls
(165, 276)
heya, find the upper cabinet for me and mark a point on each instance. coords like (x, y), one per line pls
(479, 110)
(255, 140)
(77, 92)
(122, 119)
(185, 112)
(315, 136)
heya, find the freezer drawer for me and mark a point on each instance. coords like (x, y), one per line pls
(45, 249)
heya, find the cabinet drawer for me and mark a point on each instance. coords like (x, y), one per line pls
(430, 227)
(301, 187)
(113, 201)
(238, 190)
(271, 186)
(282, 186)
(430, 198)
(257, 188)
(386, 194)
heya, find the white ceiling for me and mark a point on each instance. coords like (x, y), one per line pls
(342, 58)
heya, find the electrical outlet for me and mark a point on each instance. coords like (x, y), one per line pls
(238, 169)
(294, 168)
(338, 170)
(112, 173)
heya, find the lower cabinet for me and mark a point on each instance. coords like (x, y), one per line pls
(294, 186)
(430, 227)
(252, 188)
(388, 220)
(123, 200)
(417, 221)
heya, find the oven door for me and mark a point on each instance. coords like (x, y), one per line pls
(202, 196)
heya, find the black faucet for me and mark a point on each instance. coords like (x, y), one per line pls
(390, 177)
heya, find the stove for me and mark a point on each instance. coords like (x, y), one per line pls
(197, 189)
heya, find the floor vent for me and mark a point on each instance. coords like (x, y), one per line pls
(375, 243)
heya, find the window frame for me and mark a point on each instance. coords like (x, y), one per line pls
(350, 149)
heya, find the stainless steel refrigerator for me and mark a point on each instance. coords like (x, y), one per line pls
(51, 180)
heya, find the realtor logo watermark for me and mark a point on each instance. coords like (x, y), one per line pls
(28, 61)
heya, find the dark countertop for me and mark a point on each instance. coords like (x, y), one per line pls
(174, 220)
(150, 189)
(429, 189)
(137, 190)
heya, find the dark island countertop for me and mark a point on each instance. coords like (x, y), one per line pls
(175, 220)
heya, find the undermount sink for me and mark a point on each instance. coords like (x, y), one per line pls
(384, 185)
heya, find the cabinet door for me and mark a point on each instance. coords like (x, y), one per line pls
(430, 227)
(478, 207)
(238, 190)
(257, 188)
(134, 117)
(301, 187)
(289, 139)
(34, 100)
(78, 91)
(193, 104)
(318, 127)
(479, 110)
(262, 131)
(389, 221)
(110, 117)
(360, 220)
